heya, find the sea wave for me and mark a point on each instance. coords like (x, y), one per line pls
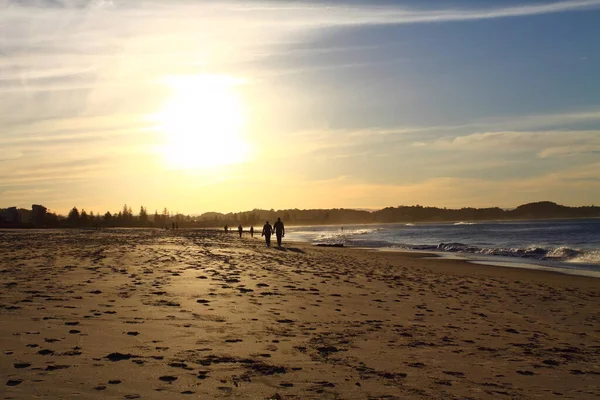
(561, 253)
(587, 257)
(345, 233)
(465, 223)
(352, 237)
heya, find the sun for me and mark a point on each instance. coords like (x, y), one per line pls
(203, 122)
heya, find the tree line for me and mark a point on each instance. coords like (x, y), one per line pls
(39, 216)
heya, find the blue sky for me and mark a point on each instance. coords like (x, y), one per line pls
(343, 104)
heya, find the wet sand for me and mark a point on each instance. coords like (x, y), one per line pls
(147, 314)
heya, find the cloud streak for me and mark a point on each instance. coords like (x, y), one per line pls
(313, 15)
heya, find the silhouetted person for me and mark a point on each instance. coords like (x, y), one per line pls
(279, 231)
(173, 225)
(252, 231)
(240, 230)
(267, 232)
(226, 228)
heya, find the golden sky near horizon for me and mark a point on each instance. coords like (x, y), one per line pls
(238, 105)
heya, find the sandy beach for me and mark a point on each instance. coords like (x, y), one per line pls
(152, 314)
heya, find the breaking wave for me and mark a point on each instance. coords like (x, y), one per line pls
(562, 253)
(352, 237)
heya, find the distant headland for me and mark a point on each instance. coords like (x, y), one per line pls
(40, 217)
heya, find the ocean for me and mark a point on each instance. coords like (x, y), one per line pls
(568, 246)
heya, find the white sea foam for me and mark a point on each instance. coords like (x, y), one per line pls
(590, 257)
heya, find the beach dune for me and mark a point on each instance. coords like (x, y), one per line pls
(150, 314)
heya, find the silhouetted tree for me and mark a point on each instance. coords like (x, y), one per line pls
(83, 218)
(73, 217)
(165, 216)
(143, 216)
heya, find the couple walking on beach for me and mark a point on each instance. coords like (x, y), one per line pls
(268, 231)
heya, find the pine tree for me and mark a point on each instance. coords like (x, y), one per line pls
(143, 216)
(83, 218)
(73, 217)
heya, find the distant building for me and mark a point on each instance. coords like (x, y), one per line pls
(11, 215)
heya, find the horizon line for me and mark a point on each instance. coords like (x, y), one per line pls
(365, 209)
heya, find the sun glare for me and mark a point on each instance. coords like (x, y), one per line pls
(203, 122)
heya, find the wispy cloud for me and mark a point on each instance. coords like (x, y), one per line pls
(336, 14)
(569, 151)
(518, 140)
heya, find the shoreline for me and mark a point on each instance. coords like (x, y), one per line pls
(505, 262)
(436, 262)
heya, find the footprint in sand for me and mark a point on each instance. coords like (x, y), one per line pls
(120, 356)
(179, 365)
(453, 373)
(56, 367)
(14, 382)
(202, 374)
(168, 378)
(527, 373)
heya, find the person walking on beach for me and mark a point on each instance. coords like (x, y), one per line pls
(226, 227)
(252, 231)
(267, 232)
(279, 231)
(240, 230)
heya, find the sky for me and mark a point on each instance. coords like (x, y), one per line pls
(233, 105)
